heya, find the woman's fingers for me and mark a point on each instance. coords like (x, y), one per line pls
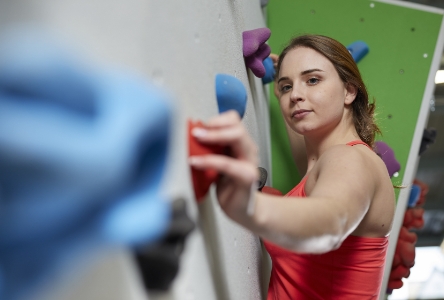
(243, 172)
(222, 129)
(236, 139)
(227, 130)
(239, 166)
(222, 135)
(229, 118)
(274, 58)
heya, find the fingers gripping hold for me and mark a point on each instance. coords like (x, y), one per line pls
(237, 163)
(227, 130)
(243, 172)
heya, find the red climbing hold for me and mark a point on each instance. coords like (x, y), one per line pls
(202, 179)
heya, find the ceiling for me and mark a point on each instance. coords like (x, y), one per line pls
(431, 164)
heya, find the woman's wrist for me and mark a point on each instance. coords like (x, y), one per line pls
(258, 220)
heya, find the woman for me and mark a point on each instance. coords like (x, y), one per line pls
(328, 237)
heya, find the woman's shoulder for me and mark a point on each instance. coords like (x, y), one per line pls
(358, 159)
(346, 154)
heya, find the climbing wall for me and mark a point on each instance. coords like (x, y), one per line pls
(180, 46)
(405, 45)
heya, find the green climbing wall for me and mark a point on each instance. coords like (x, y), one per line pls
(402, 42)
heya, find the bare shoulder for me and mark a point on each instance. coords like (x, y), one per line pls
(359, 156)
(366, 176)
(343, 165)
(343, 158)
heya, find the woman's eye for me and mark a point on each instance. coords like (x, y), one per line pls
(285, 88)
(313, 81)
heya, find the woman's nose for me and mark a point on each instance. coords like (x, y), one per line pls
(296, 95)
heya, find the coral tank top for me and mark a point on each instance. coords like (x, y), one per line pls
(353, 271)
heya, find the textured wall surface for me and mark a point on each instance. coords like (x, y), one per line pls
(180, 46)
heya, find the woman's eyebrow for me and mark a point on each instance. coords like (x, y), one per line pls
(311, 71)
(302, 73)
(283, 78)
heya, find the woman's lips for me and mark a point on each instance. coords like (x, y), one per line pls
(299, 114)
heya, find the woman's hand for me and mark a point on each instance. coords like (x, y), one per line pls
(238, 168)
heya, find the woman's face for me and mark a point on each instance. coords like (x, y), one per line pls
(312, 96)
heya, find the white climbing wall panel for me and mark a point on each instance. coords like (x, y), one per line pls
(181, 46)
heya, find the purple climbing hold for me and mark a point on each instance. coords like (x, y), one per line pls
(256, 62)
(255, 50)
(388, 156)
(253, 39)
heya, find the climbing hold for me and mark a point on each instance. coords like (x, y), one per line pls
(202, 179)
(159, 262)
(263, 174)
(253, 39)
(424, 191)
(403, 259)
(406, 247)
(414, 218)
(255, 50)
(388, 156)
(231, 94)
(358, 50)
(415, 192)
(395, 278)
(428, 138)
(256, 62)
(270, 71)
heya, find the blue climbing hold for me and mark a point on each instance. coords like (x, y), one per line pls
(358, 50)
(269, 71)
(415, 192)
(230, 94)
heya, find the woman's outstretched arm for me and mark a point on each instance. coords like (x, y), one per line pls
(338, 201)
(319, 223)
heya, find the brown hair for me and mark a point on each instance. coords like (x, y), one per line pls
(340, 57)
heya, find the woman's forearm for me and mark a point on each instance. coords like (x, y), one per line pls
(302, 225)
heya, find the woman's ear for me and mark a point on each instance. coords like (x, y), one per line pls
(351, 92)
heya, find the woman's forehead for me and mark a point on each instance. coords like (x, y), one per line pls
(302, 58)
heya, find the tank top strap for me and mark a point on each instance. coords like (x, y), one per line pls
(298, 190)
(358, 142)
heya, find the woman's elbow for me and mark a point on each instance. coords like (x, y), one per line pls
(317, 245)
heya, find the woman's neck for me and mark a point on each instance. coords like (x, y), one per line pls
(317, 144)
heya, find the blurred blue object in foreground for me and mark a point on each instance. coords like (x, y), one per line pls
(82, 155)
